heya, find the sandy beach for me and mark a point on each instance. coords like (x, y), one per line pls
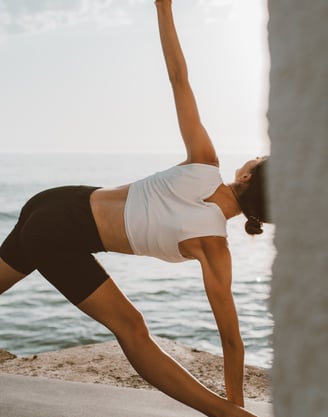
(104, 363)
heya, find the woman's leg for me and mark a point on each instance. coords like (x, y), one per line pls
(8, 276)
(109, 306)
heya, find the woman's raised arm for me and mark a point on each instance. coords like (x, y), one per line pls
(198, 144)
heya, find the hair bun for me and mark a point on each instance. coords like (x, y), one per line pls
(253, 226)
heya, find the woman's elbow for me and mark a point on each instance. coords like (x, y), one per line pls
(234, 343)
(178, 77)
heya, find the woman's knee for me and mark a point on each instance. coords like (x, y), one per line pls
(133, 326)
(110, 307)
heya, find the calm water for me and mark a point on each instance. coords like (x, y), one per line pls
(34, 317)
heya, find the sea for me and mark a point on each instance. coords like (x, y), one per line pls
(35, 318)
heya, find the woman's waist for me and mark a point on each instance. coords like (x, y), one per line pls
(107, 207)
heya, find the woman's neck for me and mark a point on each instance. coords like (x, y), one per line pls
(227, 199)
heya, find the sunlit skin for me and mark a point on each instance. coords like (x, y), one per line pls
(109, 306)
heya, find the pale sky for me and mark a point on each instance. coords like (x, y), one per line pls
(88, 75)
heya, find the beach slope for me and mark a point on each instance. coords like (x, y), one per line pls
(99, 374)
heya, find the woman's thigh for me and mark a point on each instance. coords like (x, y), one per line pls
(110, 307)
(8, 276)
(75, 274)
(14, 265)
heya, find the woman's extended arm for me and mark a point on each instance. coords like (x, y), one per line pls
(216, 267)
(198, 144)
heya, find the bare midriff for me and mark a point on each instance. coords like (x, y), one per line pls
(107, 207)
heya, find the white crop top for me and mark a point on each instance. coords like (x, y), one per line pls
(168, 207)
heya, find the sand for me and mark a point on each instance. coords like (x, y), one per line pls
(104, 363)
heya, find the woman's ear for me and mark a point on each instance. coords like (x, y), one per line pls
(245, 178)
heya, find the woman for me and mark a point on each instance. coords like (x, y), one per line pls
(175, 215)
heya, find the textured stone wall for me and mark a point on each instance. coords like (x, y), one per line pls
(298, 39)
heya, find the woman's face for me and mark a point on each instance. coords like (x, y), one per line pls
(244, 172)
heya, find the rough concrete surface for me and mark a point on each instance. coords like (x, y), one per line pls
(298, 177)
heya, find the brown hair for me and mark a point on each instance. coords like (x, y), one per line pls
(253, 201)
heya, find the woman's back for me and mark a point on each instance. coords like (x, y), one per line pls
(153, 215)
(169, 207)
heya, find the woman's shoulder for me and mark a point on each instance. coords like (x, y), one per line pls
(195, 178)
(198, 165)
(202, 172)
(196, 168)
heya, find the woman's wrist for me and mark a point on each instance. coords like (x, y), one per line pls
(164, 7)
(163, 2)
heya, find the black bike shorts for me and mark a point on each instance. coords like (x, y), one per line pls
(57, 235)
